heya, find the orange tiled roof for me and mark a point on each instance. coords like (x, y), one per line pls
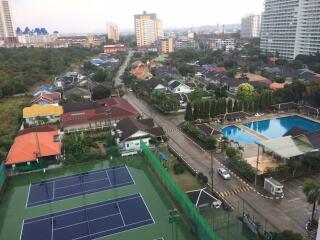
(275, 86)
(30, 145)
(42, 110)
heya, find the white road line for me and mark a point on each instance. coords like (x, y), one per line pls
(63, 214)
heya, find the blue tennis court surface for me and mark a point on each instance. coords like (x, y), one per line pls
(77, 185)
(90, 221)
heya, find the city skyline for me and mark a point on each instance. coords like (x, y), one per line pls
(91, 16)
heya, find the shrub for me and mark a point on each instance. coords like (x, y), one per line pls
(242, 167)
(178, 168)
(202, 178)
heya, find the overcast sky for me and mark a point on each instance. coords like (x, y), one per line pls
(85, 16)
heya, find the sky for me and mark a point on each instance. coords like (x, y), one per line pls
(89, 16)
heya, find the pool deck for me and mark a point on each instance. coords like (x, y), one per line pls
(258, 135)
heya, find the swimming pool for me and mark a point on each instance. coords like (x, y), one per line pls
(237, 134)
(275, 128)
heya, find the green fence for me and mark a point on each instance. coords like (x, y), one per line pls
(3, 175)
(188, 210)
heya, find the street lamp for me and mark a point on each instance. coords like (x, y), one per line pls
(173, 219)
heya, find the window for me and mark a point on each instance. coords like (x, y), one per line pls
(128, 145)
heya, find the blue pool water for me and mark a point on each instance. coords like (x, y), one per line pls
(274, 128)
(239, 135)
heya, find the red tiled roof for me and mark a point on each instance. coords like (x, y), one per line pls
(218, 69)
(116, 108)
(29, 145)
(50, 97)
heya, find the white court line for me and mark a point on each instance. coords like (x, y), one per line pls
(147, 208)
(84, 182)
(53, 189)
(92, 207)
(77, 194)
(108, 177)
(91, 220)
(52, 228)
(124, 224)
(28, 195)
(130, 175)
(77, 175)
(112, 229)
(21, 229)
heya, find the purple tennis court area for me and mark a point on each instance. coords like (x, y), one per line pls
(90, 221)
(77, 185)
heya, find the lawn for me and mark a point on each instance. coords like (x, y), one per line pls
(10, 118)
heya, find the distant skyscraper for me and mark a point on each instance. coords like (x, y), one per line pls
(291, 27)
(113, 32)
(148, 28)
(6, 22)
(250, 26)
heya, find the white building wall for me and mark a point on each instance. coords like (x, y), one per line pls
(250, 26)
(6, 21)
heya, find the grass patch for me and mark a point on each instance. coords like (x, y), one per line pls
(10, 118)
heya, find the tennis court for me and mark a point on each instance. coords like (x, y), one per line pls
(90, 221)
(76, 185)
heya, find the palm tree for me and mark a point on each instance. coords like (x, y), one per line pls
(311, 189)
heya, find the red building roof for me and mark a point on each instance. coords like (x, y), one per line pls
(116, 108)
(32, 144)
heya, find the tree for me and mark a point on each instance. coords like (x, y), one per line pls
(230, 105)
(196, 110)
(100, 92)
(100, 75)
(287, 235)
(186, 69)
(245, 92)
(311, 189)
(211, 142)
(188, 116)
(213, 106)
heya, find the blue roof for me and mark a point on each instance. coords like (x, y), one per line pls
(43, 89)
(96, 62)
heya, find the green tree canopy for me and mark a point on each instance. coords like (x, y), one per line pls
(245, 92)
(100, 92)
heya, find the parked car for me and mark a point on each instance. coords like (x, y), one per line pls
(224, 173)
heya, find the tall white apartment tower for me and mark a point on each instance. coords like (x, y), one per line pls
(147, 29)
(250, 26)
(113, 32)
(290, 27)
(6, 22)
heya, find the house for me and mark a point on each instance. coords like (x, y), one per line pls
(43, 89)
(107, 112)
(130, 131)
(209, 130)
(155, 85)
(79, 92)
(141, 72)
(119, 108)
(79, 106)
(44, 98)
(49, 113)
(275, 86)
(33, 145)
(218, 69)
(306, 75)
(231, 83)
(178, 87)
(111, 49)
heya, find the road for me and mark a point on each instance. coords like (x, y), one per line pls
(282, 214)
(117, 78)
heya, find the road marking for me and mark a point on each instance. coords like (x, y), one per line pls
(294, 200)
(235, 191)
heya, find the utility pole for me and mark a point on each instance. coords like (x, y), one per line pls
(211, 175)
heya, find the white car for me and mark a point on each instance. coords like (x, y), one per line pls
(224, 173)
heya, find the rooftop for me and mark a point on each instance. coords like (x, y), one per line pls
(42, 110)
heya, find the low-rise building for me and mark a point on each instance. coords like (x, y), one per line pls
(166, 45)
(130, 131)
(40, 114)
(178, 87)
(33, 146)
(222, 44)
(79, 92)
(111, 49)
(44, 98)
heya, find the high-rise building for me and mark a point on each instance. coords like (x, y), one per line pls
(250, 26)
(148, 28)
(159, 28)
(166, 45)
(290, 27)
(113, 32)
(6, 23)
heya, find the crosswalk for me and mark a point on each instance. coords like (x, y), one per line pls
(235, 191)
(170, 130)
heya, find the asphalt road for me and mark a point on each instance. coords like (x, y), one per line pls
(288, 213)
